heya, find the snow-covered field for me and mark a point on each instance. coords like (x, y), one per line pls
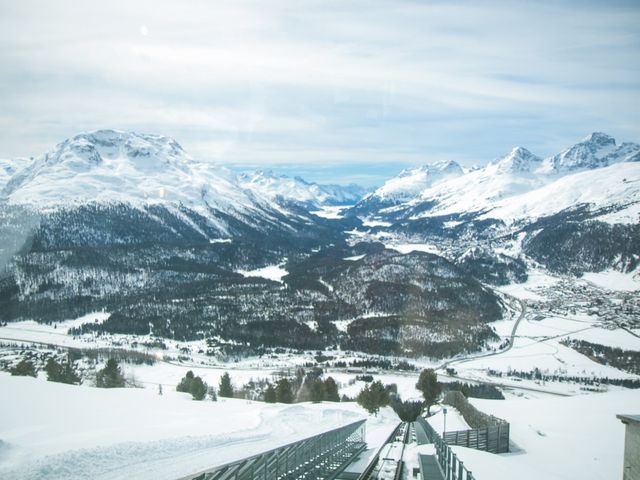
(557, 438)
(413, 247)
(613, 280)
(56, 431)
(331, 212)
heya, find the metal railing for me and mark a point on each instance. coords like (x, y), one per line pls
(450, 464)
(321, 457)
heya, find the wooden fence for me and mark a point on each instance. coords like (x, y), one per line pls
(490, 439)
(488, 433)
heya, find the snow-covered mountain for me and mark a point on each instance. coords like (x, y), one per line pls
(408, 185)
(594, 151)
(9, 167)
(113, 166)
(285, 189)
(146, 184)
(411, 182)
(583, 202)
(516, 181)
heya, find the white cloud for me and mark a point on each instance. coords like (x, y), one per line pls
(280, 82)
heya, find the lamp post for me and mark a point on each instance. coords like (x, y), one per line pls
(444, 412)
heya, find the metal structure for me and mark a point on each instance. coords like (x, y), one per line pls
(321, 457)
(490, 433)
(451, 466)
(399, 434)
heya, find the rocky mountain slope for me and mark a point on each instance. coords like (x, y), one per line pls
(132, 225)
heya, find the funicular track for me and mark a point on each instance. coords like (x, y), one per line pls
(387, 463)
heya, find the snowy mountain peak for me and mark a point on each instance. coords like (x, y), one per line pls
(442, 167)
(599, 138)
(108, 166)
(518, 160)
(411, 182)
(94, 147)
(278, 187)
(591, 152)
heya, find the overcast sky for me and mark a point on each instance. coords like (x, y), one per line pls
(335, 91)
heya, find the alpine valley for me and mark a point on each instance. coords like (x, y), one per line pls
(171, 247)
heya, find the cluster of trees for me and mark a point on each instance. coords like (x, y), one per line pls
(61, 372)
(481, 390)
(627, 360)
(193, 385)
(375, 395)
(110, 376)
(312, 390)
(380, 363)
(407, 410)
(24, 368)
(537, 374)
(303, 387)
(282, 392)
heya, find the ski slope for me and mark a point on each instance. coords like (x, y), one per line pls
(54, 431)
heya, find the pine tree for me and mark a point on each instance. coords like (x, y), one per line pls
(373, 396)
(198, 389)
(24, 369)
(429, 386)
(110, 376)
(185, 383)
(331, 390)
(284, 394)
(270, 394)
(225, 388)
(316, 390)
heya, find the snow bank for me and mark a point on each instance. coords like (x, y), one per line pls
(56, 431)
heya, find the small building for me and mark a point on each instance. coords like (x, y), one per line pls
(631, 467)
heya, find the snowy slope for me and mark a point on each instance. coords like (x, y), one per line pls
(115, 166)
(616, 187)
(477, 190)
(56, 431)
(410, 183)
(8, 168)
(296, 189)
(557, 438)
